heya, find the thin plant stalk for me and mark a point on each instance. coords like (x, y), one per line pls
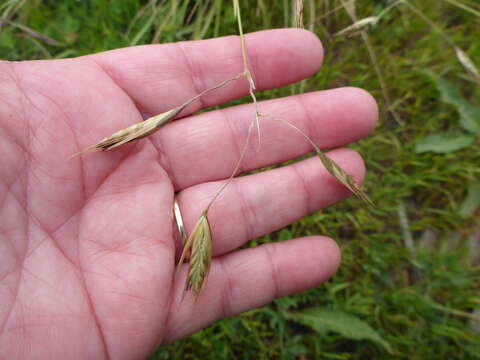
(328, 13)
(247, 74)
(199, 243)
(198, 246)
(373, 58)
(463, 7)
(246, 70)
(235, 170)
(434, 26)
(298, 13)
(35, 34)
(311, 18)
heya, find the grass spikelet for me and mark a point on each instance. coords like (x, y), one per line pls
(135, 131)
(199, 245)
(467, 62)
(333, 168)
(347, 180)
(149, 126)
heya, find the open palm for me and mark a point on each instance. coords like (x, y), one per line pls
(87, 248)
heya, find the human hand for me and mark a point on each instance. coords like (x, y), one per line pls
(88, 245)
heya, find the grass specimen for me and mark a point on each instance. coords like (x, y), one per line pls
(199, 242)
(421, 318)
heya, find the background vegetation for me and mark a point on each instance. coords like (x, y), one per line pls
(410, 269)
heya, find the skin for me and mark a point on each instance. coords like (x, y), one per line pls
(88, 245)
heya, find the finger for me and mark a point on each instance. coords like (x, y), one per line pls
(258, 204)
(252, 277)
(160, 77)
(207, 147)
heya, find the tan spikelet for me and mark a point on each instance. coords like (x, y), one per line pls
(149, 126)
(135, 131)
(467, 62)
(347, 180)
(332, 167)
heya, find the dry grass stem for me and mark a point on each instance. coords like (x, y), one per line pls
(246, 70)
(35, 34)
(237, 166)
(464, 7)
(298, 13)
(256, 119)
(328, 13)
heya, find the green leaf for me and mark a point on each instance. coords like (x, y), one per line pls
(445, 142)
(450, 94)
(472, 201)
(349, 326)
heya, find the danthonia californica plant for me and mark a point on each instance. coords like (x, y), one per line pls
(197, 249)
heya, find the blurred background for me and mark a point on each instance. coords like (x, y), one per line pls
(408, 286)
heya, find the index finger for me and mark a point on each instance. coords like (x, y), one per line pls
(161, 77)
